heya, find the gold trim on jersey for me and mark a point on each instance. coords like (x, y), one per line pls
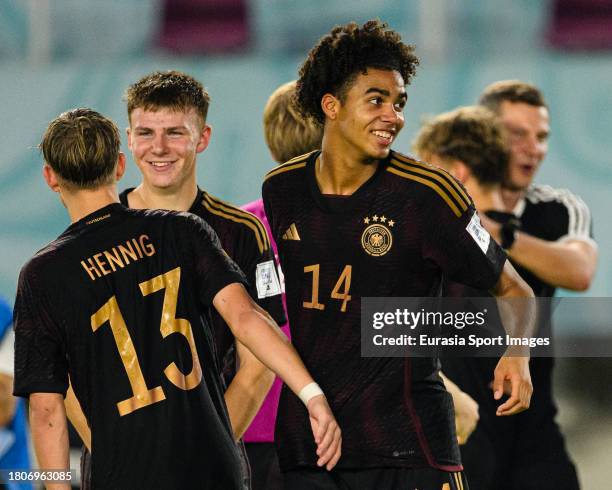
(440, 175)
(458, 480)
(291, 233)
(450, 197)
(293, 164)
(225, 210)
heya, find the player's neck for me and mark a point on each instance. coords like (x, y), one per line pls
(81, 203)
(340, 173)
(147, 197)
(511, 198)
(486, 198)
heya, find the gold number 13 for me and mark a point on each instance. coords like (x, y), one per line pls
(110, 312)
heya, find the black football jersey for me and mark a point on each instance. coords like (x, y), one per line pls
(245, 240)
(119, 303)
(408, 226)
(551, 214)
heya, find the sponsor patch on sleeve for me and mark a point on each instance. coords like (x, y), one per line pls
(478, 233)
(266, 280)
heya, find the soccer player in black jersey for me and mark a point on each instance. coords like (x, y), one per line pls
(552, 246)
(119, 303)
(355, 220)
(167, 114)
(469, 143)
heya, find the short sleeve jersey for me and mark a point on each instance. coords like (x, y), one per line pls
(118, 303)
(245, 240)
(399, 234)
(552, 214)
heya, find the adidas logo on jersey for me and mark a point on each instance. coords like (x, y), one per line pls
(291, 233)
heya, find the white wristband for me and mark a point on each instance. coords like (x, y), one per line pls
(310, 391)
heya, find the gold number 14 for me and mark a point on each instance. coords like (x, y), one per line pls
(110, 312)
(344, 282)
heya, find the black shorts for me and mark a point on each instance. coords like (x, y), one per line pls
(375, 479)
(265, 472)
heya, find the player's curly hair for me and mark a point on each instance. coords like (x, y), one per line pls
(168, 89)
(470, 134)
(340, 56)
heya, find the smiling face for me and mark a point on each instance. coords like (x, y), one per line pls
(527, 127)
(371, 115)
(165, 143)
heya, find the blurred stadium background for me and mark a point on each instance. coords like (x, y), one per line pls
(59, 54)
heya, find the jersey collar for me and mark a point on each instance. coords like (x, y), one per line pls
(348, 203)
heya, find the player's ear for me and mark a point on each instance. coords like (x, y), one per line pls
(330, 106)
(120, 170)
(204, 138)
(50, 178)
(461, 171)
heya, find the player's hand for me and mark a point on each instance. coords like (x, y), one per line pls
(514, 370)
(326, 432)
(466, 416)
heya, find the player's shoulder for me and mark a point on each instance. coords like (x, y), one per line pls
(161, 218)
(433, 183)
(36, 266)
(546, 194)
(232, 221)
(293, 169)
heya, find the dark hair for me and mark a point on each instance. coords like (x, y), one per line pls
(472, 135)
(348, 50)
(511, 91)
(82, 148)
(168, 89)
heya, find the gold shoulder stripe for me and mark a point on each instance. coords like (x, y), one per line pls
(238, 215)
(300, 158)
(428, 183)
(241, 213)
(442, 176)
(405, 162)
(445, 180)
(290, 164)
(284, 168)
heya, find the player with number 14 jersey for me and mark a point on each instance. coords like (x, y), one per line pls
(404, 229)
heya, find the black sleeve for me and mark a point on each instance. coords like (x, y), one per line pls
(259, 267)
(461, 247)
(266, 192)
(573, 217)
(213, 267)
(41, 364)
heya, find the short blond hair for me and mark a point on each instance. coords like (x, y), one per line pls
(82, 147)
(472, 135)
(287, 133)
